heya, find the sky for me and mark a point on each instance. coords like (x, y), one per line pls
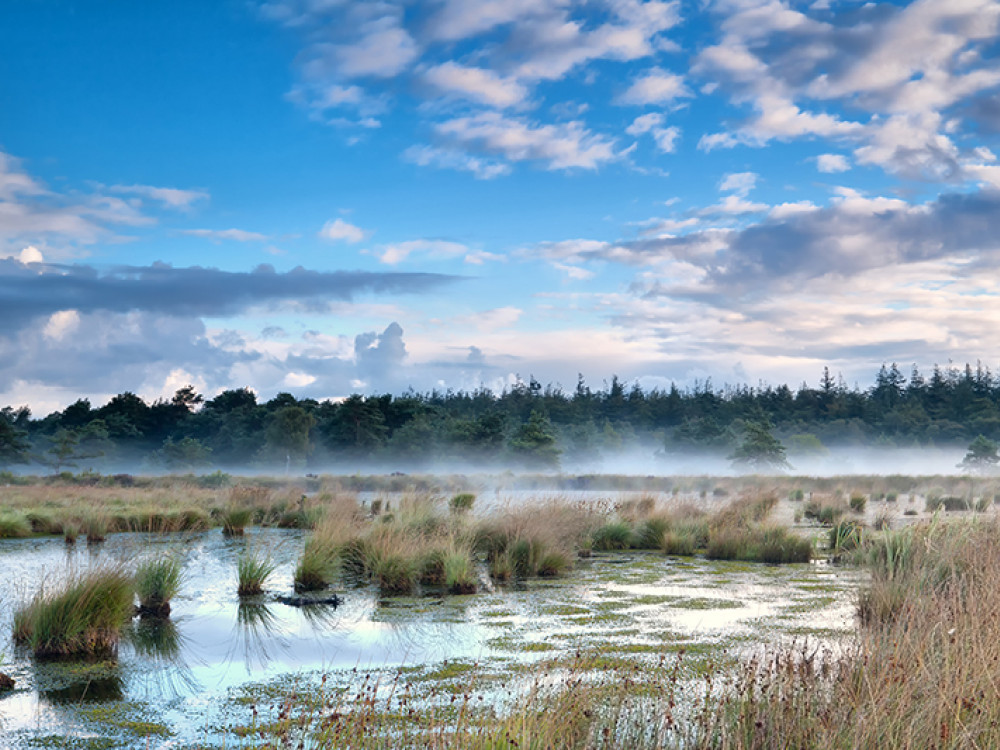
(327, 197)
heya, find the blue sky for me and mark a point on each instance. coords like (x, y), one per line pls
(327, 197)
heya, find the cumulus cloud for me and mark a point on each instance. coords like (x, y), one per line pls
(655, 87)
(652, 123)
(831, 163)
(339, 230)
(561, 146)
(476, 84)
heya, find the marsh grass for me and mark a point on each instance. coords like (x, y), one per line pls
(253, 568)
(14, 525)
(157, 581)
(95, 527)
(81, 616)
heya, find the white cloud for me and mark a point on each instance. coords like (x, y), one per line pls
(298, 379)
(449, 158)
(30, 254)
(238, 235)
(339, 230)
(665, 138)
(831, 163)
(476, 84)
(655, 87)
(562, 146)
(740, 183)
(397, 253)
(61, 324)
(171, 197)
(384, 49)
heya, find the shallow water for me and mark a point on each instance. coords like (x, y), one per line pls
(173, 682)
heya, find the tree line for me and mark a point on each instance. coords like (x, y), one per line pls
(526, 424)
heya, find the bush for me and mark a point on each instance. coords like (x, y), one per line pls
(156, 583)
(84, 616)
(858, 502)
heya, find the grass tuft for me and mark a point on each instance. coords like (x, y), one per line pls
(83, 616)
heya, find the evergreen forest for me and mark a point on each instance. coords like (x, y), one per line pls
(526, 425)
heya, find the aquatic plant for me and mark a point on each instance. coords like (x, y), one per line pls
(845, 537)
(235, 519)
(95, 527)
(82, 615)
(615, 535)
(253, 568)
(157, 581)
(460, 572)
(758, 543)
(14, 524)
(318, 564)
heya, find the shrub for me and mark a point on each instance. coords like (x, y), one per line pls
(858, 502)
(83, 616)
(156, 583)
(253, 568)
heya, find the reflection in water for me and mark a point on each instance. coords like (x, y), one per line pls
(159, 640)
(64, 682)
(257, 631)
(155, 638)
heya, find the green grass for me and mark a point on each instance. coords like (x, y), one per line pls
(14, 525)
(82, 616)
(235, 520)
(616, 535)
(253, 568)
(460, 573)
(759, 543)
(156, 583)
(318, 565)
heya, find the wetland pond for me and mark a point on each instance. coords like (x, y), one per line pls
(195, 679)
